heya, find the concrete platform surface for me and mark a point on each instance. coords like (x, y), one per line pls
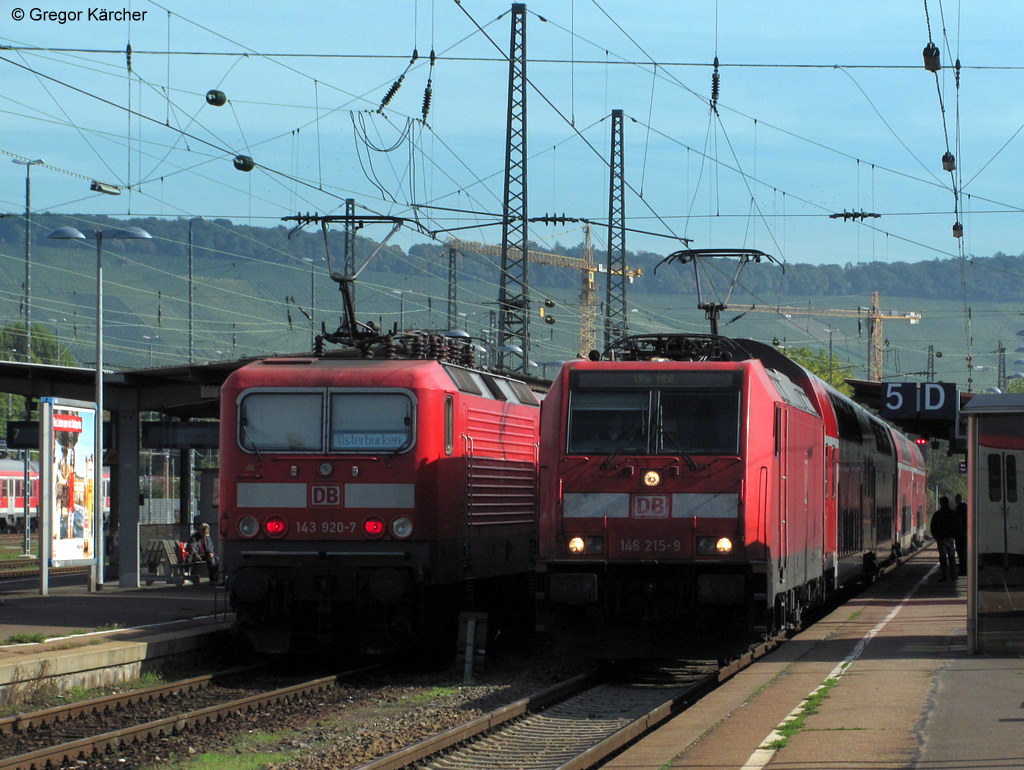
(101, 638)
(70, 608)
(895, 689)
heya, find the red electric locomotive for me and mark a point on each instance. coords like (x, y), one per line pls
(691, 474)
(365, 501)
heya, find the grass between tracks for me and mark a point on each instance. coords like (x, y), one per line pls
(260, 749)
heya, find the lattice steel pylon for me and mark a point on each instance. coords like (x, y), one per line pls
(616, 324)
(513, 292)
(585, 265)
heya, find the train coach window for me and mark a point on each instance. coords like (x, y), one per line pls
(282, 422)
(996, 467)
(370, 422)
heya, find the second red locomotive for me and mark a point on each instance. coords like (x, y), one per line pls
(688, 474)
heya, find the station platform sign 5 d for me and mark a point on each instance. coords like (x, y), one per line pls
(920, 400)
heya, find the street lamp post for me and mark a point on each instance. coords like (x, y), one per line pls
(56, 325)
(26, 481)
(190, 285)
(71, 233)
(830, 330)
(28, 164)
(151, 338)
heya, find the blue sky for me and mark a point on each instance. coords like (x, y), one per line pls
(822, 109)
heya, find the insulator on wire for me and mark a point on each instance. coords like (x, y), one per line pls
(216, 98)
(427, 96)
(958, 230)
(128, 56)
(956, 73)
(715, 87)
(948, 161)
(391, 93)
(244, 163)
(932, 58)
(428, 92)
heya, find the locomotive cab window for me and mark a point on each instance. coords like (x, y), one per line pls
(654, 413)
(358, 421)
(699, 423)
(274, 421)
(608, 422)
(371, 422)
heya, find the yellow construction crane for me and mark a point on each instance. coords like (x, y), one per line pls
(586, 266)
(873, 315)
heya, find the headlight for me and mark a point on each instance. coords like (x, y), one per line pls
(715, 545)
(652, 478)
(248, 526)
(401, 527)
(591, 545)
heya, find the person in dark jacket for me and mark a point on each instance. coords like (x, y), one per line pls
(961, 540)
(201, 547)
(944, 529)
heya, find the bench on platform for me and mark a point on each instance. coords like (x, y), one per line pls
(167, 560)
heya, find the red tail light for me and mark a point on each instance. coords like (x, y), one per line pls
(276, 526)
(374, 527)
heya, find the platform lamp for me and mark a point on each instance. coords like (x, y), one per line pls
(72, 233)
(27, 483)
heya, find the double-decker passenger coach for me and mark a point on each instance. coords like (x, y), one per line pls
(364, 502)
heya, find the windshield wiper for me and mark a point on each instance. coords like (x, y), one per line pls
(636, 431)
(248, 437)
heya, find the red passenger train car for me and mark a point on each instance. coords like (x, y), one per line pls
(691, 476)
(365, 501)
(12, 494)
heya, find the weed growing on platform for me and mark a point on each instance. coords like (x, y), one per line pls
(25, 639)
(794, 725)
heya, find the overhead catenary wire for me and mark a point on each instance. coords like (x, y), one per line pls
(419, 204)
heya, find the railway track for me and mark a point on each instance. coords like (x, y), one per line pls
(570, 725)
(13, 570)
(76, 733)
(573, 725)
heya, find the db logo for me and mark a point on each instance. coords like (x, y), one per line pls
(325, 494)
(650, 506)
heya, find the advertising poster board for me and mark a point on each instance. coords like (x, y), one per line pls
(68, 430)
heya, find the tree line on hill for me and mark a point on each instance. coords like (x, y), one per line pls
(999, 278)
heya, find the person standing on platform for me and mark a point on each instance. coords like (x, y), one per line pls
(961, 540)
(944, 529)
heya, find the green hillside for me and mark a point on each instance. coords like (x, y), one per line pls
(253, 288)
